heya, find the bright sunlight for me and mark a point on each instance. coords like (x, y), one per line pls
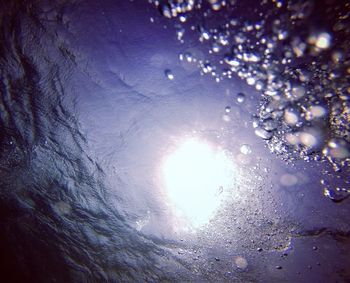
(195, 176)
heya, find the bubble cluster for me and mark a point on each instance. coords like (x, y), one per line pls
(296, 56)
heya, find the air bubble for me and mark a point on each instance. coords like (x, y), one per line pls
(240, 97)
(180, 33)
(250, 81)
(188, 57)
(166, 11)
(216, 48)
(168, 73)
(183, 18)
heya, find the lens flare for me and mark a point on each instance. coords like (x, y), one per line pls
(196, 176)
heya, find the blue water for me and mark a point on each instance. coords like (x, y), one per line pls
(86, 116)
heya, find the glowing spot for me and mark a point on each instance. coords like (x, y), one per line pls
(323, 40)
(195, 176)
(250, 81)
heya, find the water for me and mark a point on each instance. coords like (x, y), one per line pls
(95, 95)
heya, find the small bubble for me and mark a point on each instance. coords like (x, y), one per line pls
(259, 85)
(188, 57)
(250, 81)
(180, 33)
(168, 73)
(227, 109)
(255, 122)
(166, 11)
(204, 34)
(240, 97)
(282, 35)
(183, 18)
(223, 40)
(207, 67)
(216, 48)
(216, 4)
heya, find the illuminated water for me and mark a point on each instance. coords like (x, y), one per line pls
(175, 141)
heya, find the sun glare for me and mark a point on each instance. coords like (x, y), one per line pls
(195, 177)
